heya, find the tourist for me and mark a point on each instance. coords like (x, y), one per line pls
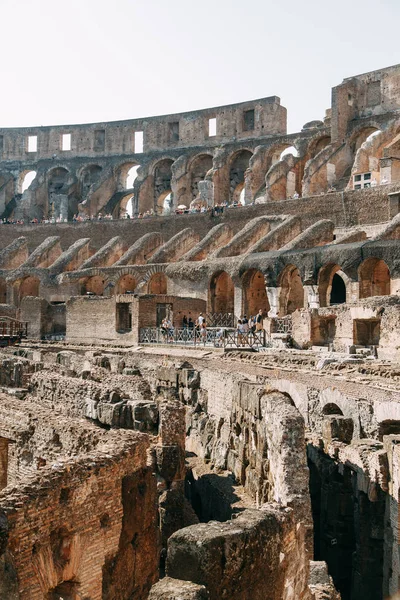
(259, 320)
(239, 331)
(184, 322)
(296, 195)
(203, 333)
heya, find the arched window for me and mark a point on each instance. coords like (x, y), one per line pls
(157, 284)
(338, 291)
(331, 285)
(374, 278)
(94, 285)
(26, 180)
(126, 283)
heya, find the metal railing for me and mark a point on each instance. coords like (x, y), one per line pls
(11, 328)
(220, 320)
(211, 337)
(283, 325)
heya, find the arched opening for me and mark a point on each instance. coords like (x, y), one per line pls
(331, 409)
(389, 427)
(221, 293)
(319, 145)
(338, 291)
(3, 292)
(239, 165)
(29, 287)
(25, 180)
(198, 171)
(93, 286)
(254, 293)
(126, 284)
(331, 285)
(374, 278)
(162, 184)
(366, 134)
(289, 150)
(89, 176)
(157, 284)
(130, 177)
(292, 291)
(58, 188)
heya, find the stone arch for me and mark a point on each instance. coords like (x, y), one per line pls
(126, 283)
(374, 278)
(291, 296)
(162, 172)
(157, 284)
(317, 145)
(221, 293)
(29, 286)
(122, 173)
(198, 169)
(332, 285)
(360, 135)
(88, 176)
(25, 180)
(238, 165)
(3, 291)
(93, 285)
(254, 293)
(330, 408)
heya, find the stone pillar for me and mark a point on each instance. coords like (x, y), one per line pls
(206, 191)
(273, 294)
(352, 292)
(3, 462)
(238, 298)
(311, 296)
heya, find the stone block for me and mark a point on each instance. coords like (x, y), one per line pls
(174, 589)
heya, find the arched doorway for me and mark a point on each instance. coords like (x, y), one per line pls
(94, 285)
(338, 291)
(331, 285)
(157, 284)
(89, 176)
(374, 278)
(254, 293)
(126, 283)
(238, 167)
(221, 293)
(29, 287)
(292, 291)
(58, 188)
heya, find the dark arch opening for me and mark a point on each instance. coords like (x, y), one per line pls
(331, 409)
(338, 291)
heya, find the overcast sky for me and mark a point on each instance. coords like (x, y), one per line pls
(96, 60)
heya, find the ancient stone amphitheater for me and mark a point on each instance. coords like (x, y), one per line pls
(141, 457)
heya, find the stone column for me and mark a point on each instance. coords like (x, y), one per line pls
(206, 191)
(238, 298)
(311, 296)
(273, 294)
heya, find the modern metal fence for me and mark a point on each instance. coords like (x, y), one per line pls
(219, 338)
(220, 320)
(283, 325)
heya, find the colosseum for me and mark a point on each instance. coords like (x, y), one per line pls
(200, 356)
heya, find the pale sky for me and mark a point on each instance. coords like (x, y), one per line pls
(82, 61)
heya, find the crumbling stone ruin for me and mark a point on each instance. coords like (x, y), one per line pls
(142, 462)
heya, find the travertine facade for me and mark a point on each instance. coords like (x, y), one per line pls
(145, 462)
